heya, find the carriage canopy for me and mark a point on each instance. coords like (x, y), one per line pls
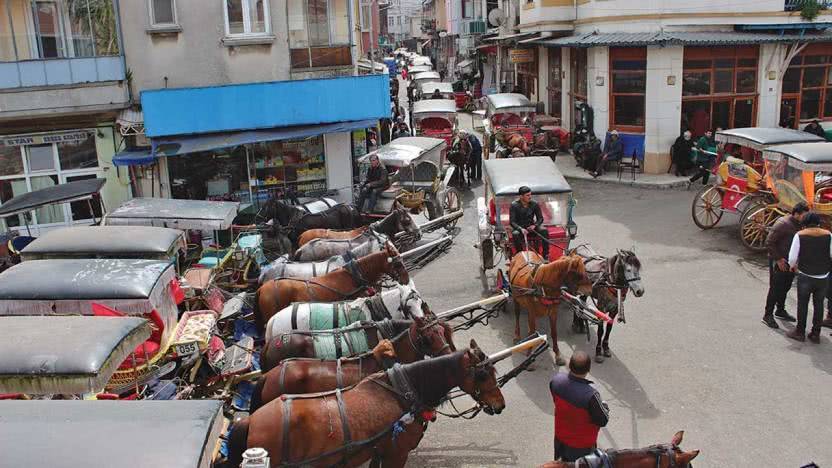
(177, 214)
(64, 193)
(431, 86)
(129, 434)
(509, 102)
(126, 242)
(421, 60)
(65, 355)
(425, 76)
(409, 150)
(803, 156)
(417, 69)
(434, 108)
(506, 176)
(759, 138)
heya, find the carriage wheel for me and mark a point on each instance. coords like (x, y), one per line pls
(706, 209)
(755, 224)
(451, 201)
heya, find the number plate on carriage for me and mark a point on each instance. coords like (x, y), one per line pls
(186, 349)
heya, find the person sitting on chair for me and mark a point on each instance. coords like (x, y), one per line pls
(525, 215)
(374, 183)
(613, 152)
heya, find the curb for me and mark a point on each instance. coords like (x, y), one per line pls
(636, 183)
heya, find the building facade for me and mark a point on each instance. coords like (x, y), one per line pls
(656, 69)
(63, 82)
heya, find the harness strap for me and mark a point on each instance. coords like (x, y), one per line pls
(345, 426)
(337, 336)
(282, 378)
(386, 329)
(339, 378)
(287, 421)
(295, 315)
(335, 322)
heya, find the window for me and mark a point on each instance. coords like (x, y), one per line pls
(807, 87)
(390, 21)
(162, 12)
(319, 33)
(467, 9)
(365, 18)
(247, 17)
(628, 70)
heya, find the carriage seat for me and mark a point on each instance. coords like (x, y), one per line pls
(144, 351)
(824, 195)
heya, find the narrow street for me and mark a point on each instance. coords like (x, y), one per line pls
(692, 356)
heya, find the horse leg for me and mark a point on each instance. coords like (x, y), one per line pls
(599, 356)
(606, 344)
(516, 321)
(553, 327)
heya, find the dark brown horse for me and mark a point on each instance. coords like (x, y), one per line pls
(655, 456)
(351, 427)
(305, 375)
(535, 287)
(345, 283)
(397, 221)
(358, 338)
(295, 220)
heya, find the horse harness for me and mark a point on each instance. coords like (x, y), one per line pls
(538, 291)
(602, 459)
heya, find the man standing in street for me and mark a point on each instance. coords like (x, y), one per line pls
(780, 276)
(579, 411)
(811, 257)
(475, 159)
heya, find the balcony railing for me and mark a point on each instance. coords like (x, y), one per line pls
(472, 27)
(60, 72)
(796, 5)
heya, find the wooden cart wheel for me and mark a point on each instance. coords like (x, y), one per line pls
(754, 226)
(451, 201)
(706, 209)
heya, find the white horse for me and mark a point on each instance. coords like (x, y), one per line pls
(322, 249)
(282, 267)
(402, 302)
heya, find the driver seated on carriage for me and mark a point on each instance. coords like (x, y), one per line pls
(376, 181)
(524, 216)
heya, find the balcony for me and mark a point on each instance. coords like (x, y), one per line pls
(472, 27)
(59, 58)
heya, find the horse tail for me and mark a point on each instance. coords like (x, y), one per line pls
(237, 442)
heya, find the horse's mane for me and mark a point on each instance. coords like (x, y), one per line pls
(427, 376)
(554, 272)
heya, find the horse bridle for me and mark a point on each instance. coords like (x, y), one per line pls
(604, 459)
(403, 300)
(669, 451)
(622, 258)
(418, 346)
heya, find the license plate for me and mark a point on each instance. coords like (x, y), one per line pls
(186, 349)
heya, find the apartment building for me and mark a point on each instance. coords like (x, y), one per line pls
(63, 83)
(654, 69)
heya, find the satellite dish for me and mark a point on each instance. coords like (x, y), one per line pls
(496, 17)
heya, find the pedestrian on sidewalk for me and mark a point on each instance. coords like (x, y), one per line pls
(810, 257)
(780, 276)
(613, 152)
(579, 411)
(681, 153)
(702, 159)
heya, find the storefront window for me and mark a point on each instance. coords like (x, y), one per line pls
(628, 70)
(298, 165)
(40, 157)
(215, 175)
(11, 163)
(807, 85)
(10, 188)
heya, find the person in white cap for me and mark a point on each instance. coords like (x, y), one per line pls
(613, 152)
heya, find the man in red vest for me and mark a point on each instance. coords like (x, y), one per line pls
(579, 411)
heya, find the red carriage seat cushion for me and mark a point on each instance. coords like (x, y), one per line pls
(150, 347)
(492, 212)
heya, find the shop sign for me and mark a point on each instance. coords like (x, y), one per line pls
(521, 55)
(42, 139)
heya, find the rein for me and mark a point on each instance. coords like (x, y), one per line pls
(606, 458)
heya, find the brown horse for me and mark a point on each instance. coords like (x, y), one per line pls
(356, 339)
(397, 221)
(348, 282)
(535, 287)
(299, 375)
(351, 427)
(655, 456)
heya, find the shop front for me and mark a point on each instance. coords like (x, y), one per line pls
(807, 87)
(269, 140)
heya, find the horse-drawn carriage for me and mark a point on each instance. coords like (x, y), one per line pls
(506, 115)
(420, 60)
(503, 179)
(740, 183)
(799, 172)
(417, 182)
(426, 90)
(435, 118)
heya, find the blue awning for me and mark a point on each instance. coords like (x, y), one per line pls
(133, 158)
(178, 145)
(257, 106)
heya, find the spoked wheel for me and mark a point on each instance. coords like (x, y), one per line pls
(755, 224)
(451, 201)
(706, 209)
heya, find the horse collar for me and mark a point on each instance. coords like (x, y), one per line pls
(386, 329)
(355, 271)
(402, 386)
(597, 459)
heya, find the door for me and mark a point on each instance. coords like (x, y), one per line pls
(720, 114)
(554, 90)
(743, 113)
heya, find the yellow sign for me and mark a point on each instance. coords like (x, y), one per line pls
(521, 55)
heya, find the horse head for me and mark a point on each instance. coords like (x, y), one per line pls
(666, 455)
(411, 303)
(627, 271)
(404, 222)
(384, 350)
(576, 278)
(395, 264)
(430, 337)
(480, 381)
(281, 211)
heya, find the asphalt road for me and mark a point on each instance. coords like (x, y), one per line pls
(693, 354)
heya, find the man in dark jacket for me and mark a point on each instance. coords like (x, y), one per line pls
(579, 411)
(814, 128)
(475, 159)
(780, 276)
(613, 152)
(810, 256)
(524, 216)
(681, 153)
(374, 183)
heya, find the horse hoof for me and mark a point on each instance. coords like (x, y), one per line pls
(559, 360)
(607, 352)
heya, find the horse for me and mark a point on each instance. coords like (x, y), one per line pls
(401, 302)
(283, 267)
(349, 341)
(654, 456)
(345, 283)
(321, 249)
(309, 375)
(610, 278)
(460, 160)
(535, 286)
(399, 220)
(366, 422)
(297, 220)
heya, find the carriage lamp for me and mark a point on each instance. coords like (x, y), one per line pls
(572, 229)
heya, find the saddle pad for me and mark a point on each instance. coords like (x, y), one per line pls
(335, 315)
(353, 342)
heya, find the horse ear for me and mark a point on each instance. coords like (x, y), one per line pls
(473, 344)
(677, 438)
(686, 457)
